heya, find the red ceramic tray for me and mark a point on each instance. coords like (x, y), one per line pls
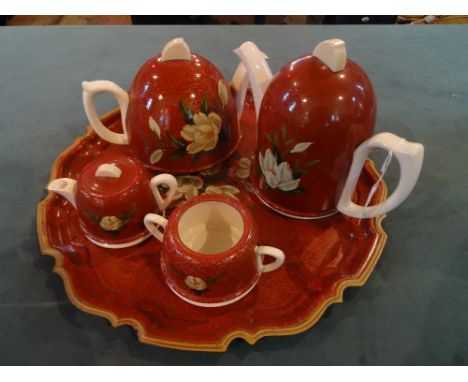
(126, 286)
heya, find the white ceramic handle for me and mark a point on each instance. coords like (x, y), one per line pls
(65, 187)
(264, 250)
(90, 89)
(410, 157)
(257, 68)
(167, 180)
(240, 83)
(152, 224)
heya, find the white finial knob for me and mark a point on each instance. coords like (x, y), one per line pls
(108, 170)
(332, 53)
(176, 49)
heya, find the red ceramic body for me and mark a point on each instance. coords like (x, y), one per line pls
(111, 210)
(214, 278)
(128, 287)
(170, 93)
(328, 115)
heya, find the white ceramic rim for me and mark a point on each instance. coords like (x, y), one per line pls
(214, 304)
(291, 215)
(121, 245)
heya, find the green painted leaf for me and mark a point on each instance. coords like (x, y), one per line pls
(289, 141)
(268, 136)
(129, 214)
(312, 162)
(176, 142)
(297, 191)
(277, 154)
(215, 279)
(287, 152)
(275, 139)
(205, 105)
(187, 112)
(114, 233)
(92, 216)
(237, 155)
(179, 153)
(195, 157)
(179, 273)
(297, 163)
(283, 132)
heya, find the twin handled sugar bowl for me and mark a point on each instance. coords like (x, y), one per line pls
(211, 254)
(112, 194)
(315, 120)
(179, 115)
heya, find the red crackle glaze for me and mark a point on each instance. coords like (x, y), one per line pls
(127, 287)
(215, 278)
(111, 210)
(310, 122)
(181, 116)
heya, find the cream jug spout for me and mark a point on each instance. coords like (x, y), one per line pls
(257, 69)
(65, 187)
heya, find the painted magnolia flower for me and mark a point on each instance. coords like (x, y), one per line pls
(156, 156)
(195, 283)
(223, 190)
(277, 176)
(203, 135)
(222, 93)
(188, 186)
(110, 223)
(300, 147)
(243, 171)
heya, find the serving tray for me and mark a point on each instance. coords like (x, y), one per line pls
(323, 257)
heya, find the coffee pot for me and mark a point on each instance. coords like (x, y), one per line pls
(315, 124)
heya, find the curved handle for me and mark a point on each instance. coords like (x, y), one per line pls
(65, 187)
(152, 222)
(240, 83)
(90, 89)
(167, 180)
(257, 70)
(263, 250)
(410, 157)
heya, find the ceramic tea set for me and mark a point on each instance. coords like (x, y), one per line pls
(315, 120)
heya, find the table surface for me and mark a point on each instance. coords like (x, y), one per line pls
(414, 307)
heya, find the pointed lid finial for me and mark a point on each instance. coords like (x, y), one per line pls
(176, 49)
(332, 53)
(108, 170)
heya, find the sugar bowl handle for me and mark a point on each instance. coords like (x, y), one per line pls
(410, 157)
(264, 250)
(167, 180)
(90, 89)
(152, 224)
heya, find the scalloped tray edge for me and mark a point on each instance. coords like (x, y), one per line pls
(223, 345)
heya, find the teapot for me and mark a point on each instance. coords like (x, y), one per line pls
(179, 115)
(112, 195)
(315, 120)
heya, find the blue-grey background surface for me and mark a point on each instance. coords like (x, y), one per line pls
(414, 307)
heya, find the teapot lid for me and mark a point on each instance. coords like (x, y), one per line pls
(111, 174)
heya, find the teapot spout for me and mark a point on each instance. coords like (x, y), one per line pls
(65, 187)
(257, 70)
